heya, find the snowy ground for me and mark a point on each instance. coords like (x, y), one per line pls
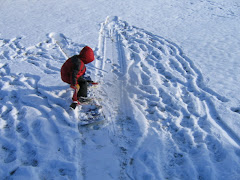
(168, 74)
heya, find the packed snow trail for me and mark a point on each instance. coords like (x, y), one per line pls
(161, 120)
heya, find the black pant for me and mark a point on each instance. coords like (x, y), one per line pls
(83, 87)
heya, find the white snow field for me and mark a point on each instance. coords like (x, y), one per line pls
(168, 76)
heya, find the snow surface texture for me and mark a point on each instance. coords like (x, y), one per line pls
(161, 120)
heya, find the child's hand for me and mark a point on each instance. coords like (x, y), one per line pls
(76, 87)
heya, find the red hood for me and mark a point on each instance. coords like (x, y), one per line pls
(86, 55)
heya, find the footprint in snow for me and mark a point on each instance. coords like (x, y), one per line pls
(9, 151)
(236, 109)
(29, 155)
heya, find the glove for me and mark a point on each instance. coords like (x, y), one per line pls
(76, 87)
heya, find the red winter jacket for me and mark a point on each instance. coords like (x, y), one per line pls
(74, 67)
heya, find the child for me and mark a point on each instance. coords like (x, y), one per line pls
(73, 70)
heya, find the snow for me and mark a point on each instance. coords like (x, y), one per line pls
(168, 75)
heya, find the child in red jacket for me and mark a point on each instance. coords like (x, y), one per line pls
(72, 72)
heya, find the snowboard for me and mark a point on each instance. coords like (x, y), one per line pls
(92, 114)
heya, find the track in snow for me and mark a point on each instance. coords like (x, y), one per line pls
(162, 122)
(165, 118)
